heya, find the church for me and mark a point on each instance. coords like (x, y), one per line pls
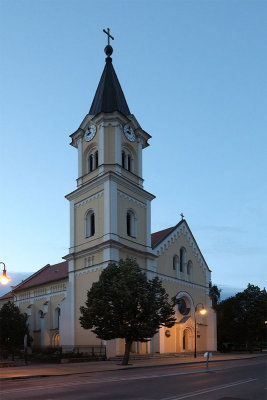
(110, 219)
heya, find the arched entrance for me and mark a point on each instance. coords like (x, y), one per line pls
(55, 340)
(187, 339)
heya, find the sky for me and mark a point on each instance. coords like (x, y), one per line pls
(194, 75)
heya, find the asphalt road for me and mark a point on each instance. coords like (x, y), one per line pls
(227, 380)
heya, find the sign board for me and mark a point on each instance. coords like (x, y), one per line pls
(208, 354)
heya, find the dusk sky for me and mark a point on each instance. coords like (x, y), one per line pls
(194, 75)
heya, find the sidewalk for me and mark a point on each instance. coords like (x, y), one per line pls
(42, 370)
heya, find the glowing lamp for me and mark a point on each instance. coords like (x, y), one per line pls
(4, 279)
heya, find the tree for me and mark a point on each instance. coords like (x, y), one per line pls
(124, 304)
(241, 318)
(215, 294)
(13, 326)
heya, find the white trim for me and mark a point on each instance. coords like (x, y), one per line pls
(110, 211)
(130, 198)
(139, 155)
(118, 144)
(148, 224)
(72, 225)
(90, 198)
(115, 178)
(163, 277)
(80, 157)
(72, 302)
(101, 152)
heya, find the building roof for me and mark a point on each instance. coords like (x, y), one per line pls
(157, 237)
(109, 96)
(6, 296)
(45, 275)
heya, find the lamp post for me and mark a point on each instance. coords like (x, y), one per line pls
(4, 279)
(202, 312)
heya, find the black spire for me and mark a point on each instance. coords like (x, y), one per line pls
(109, 96)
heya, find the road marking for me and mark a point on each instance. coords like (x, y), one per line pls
(101, 380)
(110, 380)
(203, 391)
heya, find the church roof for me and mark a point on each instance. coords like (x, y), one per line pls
(109, 96)
(159, 236)
(47, 274)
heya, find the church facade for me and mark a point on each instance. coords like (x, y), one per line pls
(110, 219)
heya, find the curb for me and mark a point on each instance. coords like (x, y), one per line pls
(126, 368)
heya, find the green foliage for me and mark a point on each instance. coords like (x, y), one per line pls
(241, 318)
(215, 294)
(124, 304)
(13, 326)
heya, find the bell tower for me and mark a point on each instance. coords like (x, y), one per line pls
(110, 212)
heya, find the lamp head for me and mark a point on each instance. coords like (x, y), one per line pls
(203, 311)
(4, 279)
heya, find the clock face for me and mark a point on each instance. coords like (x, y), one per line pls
(90, 133)
(129, 133)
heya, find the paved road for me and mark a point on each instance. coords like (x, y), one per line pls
(231, 380)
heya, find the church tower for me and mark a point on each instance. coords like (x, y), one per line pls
(110, 212)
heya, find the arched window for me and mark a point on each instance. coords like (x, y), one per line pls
(123, 159)
(182, 259)
(189, 269)
(56, 317)
(127, 160)
(89, 223)
(130, 223)
(175, 262)
(96, 159)
(92, 160)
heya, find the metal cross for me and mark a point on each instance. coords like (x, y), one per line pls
(182, 215)
(109, 35)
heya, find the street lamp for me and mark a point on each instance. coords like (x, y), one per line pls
(202, 312)
(4, 279)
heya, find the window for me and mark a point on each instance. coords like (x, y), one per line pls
(175, 262)
(182, 259)
(96, 159)
(127, 160)
(131, 223)
(92, 160)
(56, 318)
(89, 223)
(183, 307)
(189, 267)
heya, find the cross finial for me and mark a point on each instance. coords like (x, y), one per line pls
(182, 215)
(108, 34)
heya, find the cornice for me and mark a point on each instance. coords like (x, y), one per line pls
(90, 198)
(178, 281)
(108, 244)
(130, 198)
(111, 176)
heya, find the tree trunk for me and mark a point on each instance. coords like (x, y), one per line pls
(126, 353)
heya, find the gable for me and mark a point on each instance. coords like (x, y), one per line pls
(163, 240)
